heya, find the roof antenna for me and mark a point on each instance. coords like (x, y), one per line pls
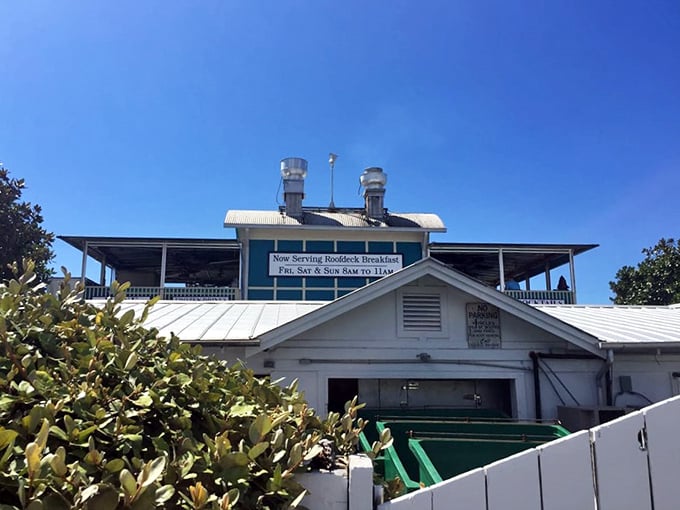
(331, 161)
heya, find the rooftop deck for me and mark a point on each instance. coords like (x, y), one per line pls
(532, 297)
(175, 293)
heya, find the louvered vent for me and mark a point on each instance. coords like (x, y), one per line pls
(422, 312)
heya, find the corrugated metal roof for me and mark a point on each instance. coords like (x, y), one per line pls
(220, 321)
(242, 322)
(633, 325)
(347, 218)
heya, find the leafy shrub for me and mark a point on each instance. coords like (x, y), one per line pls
(97, 412)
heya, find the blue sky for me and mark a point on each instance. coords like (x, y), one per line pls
(526, 121)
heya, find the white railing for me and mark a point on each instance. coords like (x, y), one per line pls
(177, 293)
(543, 297)
(632, 463)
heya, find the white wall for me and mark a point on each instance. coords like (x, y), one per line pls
(651, 376)
(366, 343)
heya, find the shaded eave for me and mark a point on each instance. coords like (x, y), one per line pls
(642, 348)
(79, 241)
(520, 261)
(321, 227)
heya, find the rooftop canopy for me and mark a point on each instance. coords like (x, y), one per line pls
(519, 261)
(189, 261)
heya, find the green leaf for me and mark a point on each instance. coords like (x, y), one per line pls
(69, 424)
(295, 457)
(258, 450)
(143, 401)
(114, 465)
(55, 502)
(153, 471)
(128, 316)
(85, 434)
(58, 462)
(106, 498)
(128, 482)
(164, 494)
(36, 504)
(298, 499)
(25, 388)
(313, 452)
(7, 436)
(239, 410)
(231, 498)
(259, 428)
(6, 402)
(32, 453)
(238, 459)
(42, 435)
(280, 454)
(58, 432)
(89, 492)
(131, 361)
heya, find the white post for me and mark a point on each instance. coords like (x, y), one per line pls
(501, 268)
(360, 483)
(245, 254)
(102, 272)
(83, 267)
(164, 258)
(572, 274)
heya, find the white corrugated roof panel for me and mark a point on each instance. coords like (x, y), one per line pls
(220, 321)
(635, 325)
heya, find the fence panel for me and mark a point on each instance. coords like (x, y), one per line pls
(663, 448)
(513, 483)
(627, 455)
(621, 464)
(567, 474)
(466, 491)
(416, 500)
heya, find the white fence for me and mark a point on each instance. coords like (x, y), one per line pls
(629, 463)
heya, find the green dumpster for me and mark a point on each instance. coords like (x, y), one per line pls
(489, 440)
(440, 459)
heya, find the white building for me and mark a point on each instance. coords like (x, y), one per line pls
(359, 301)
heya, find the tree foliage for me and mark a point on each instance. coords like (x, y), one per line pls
(97, 412)
(655, 280)
(21, 233)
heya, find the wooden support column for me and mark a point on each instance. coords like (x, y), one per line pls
(501, 268)
(548, 285)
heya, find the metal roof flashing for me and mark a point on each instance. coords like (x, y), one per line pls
(346, 219)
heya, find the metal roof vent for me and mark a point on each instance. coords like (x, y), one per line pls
(373, 181)
(293, 172)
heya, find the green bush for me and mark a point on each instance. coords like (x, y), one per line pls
(97, 412)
